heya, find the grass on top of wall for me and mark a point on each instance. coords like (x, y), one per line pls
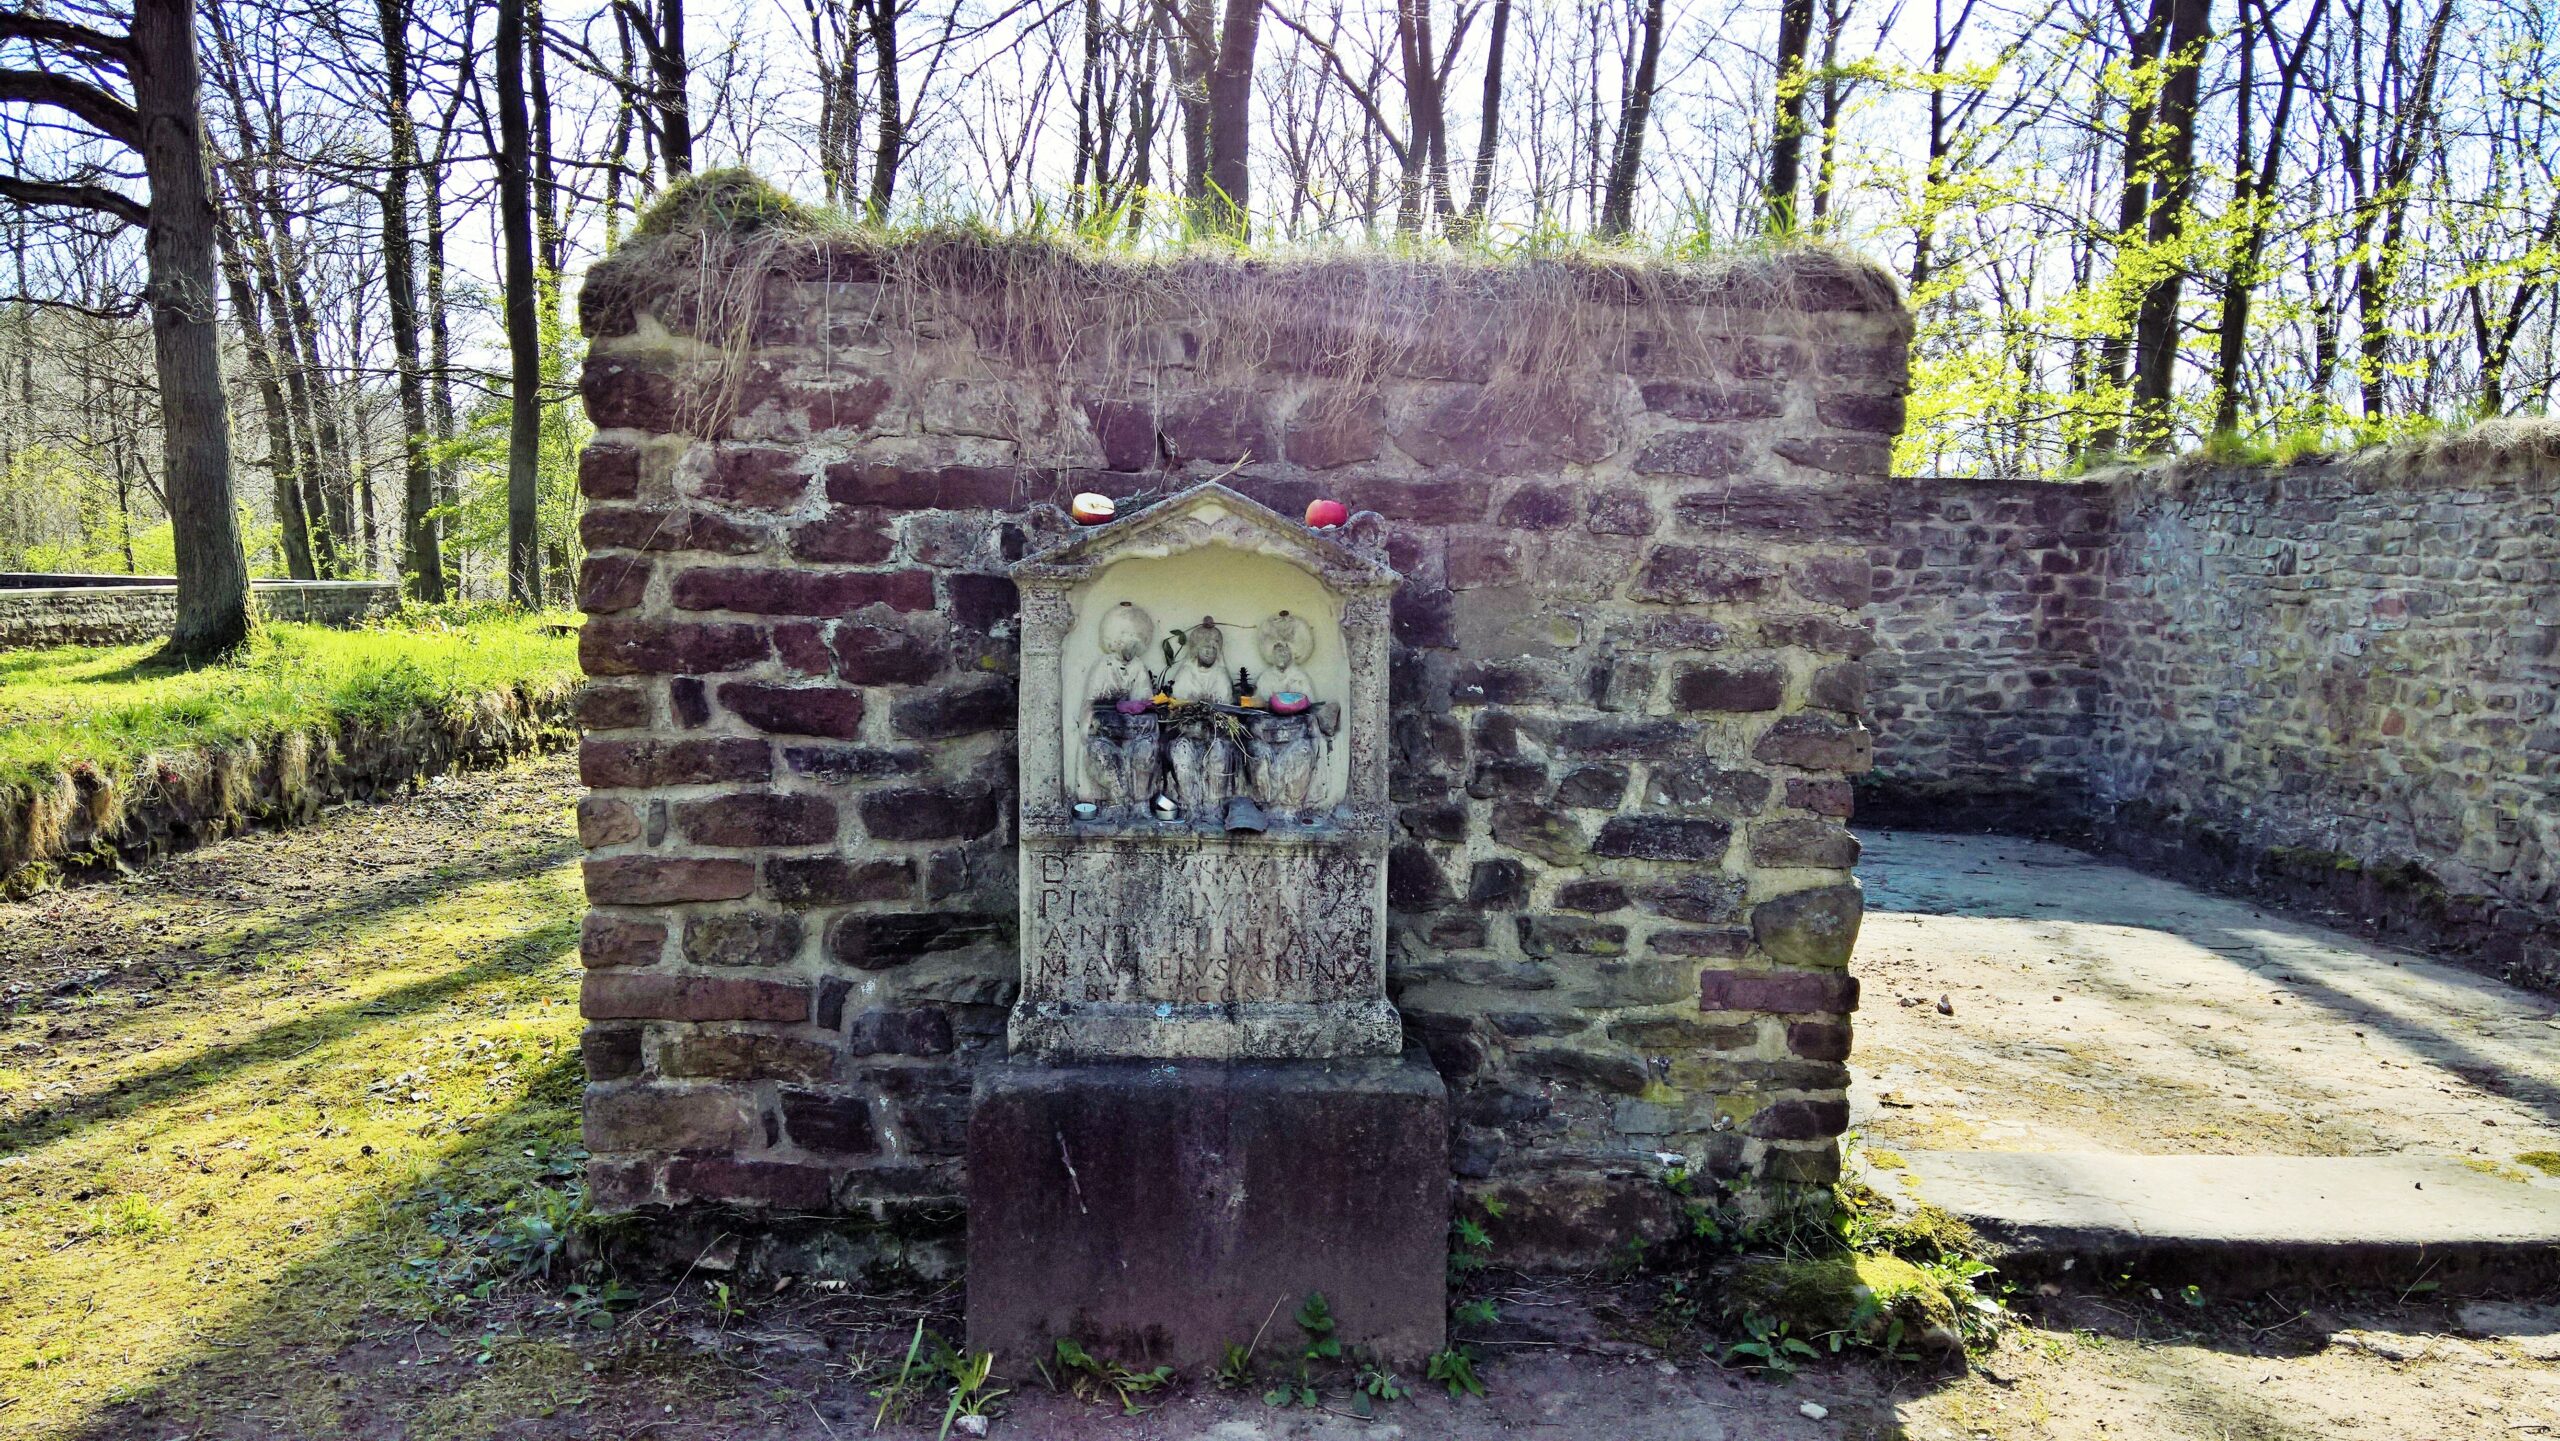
(105, 708)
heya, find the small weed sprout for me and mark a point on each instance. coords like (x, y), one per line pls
(1455, 1368)
(1088, 1377)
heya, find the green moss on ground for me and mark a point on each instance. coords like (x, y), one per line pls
(106, 708)
(2547, 1162)
(323, 1088)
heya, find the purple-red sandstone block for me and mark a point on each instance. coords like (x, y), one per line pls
(964, 707)
(643, 996)
(1781, 992)
(1126, 431)
(1694, 574)
(846, 535)
(634, 764)
(1819, 1040)
(757, 477)
(1662, 838)
(621, 527)
(609, 646)
(869, 654)
(1325, 434)
(667, 1118)
(757, 591)
(1729, 688)
(1817, 743)
(829, 711)
(1802, 842)
(955, 487)
(601, 707)
(922, 1032)
(1800, 1120)
(929, 813)
(827, 1122)
(607, 940)
(661, 880)
(767, 1185)
(609, 472)
(757, 818)
(1217, 426)
(833, 880)
(604, 821)
(608, 583)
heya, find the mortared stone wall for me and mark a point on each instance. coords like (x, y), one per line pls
(2331, 681)
(1628, 691)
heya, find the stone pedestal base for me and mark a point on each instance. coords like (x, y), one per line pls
(1156, 1211)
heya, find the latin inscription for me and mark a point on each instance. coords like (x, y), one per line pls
(1186, 923)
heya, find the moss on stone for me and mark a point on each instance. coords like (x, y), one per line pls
(734, 200)
(1856, 1293)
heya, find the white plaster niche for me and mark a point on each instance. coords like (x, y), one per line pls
(1204, 816)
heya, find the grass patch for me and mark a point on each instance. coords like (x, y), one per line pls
(107, 708)
(317, 1098)
(2547, 1162)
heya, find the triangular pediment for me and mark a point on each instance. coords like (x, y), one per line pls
(1208, 514)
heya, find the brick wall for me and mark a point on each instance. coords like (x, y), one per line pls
(33, 616)
(1627, 696)
(2331, 681)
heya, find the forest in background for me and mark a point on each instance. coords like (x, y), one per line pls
(2262, 226)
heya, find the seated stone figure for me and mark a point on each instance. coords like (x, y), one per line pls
(1121, 750)
(1287, 748)
(1201, 756)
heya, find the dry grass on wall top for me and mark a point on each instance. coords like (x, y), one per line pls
(705, 259)
(2518, 448)
(101, 747)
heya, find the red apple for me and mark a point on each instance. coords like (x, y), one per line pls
(1323, 514)
(1092, 508)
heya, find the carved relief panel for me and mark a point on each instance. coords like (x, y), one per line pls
(1204, 815)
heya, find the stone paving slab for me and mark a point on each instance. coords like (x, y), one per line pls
(2256, 1220)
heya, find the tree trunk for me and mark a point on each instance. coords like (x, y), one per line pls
(1786, 132)
(2380, 266)
(1489, 125)
(291, 520)
(195, 414)
(2155, 326)
(524, 339)
(674, 75)
(1231, 119)
(1195, 21)
(422, 547)
(892, 140)
(2133, 210)
(439, 324)
(1618, 200)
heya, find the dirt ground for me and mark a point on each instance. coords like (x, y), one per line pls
(287, 1127)
(2092, 1008)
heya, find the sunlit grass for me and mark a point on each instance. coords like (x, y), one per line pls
(107, 707)
(256, 1160)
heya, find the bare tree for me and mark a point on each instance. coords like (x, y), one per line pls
(163, 123)
(524, 335)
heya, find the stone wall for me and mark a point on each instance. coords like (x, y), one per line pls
(2331, 681)
(1627, 694)
(1986, 680)
(34, 614)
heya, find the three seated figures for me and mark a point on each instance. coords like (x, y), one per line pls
(1200, 741)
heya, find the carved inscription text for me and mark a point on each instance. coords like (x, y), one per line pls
(1181, 922)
